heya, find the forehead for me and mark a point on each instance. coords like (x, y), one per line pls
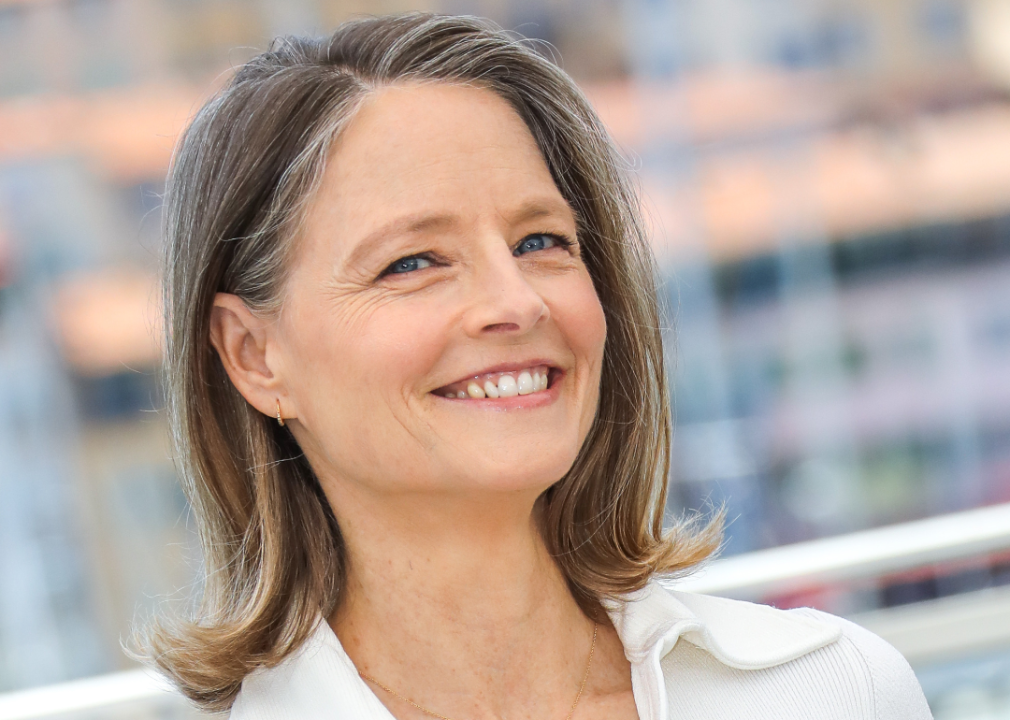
(429, 149)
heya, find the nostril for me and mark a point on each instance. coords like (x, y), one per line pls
(501, 327)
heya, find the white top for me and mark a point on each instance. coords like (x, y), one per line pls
(692, 657)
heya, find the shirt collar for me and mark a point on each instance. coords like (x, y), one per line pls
(738, 634)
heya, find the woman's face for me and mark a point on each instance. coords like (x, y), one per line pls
(438, 258)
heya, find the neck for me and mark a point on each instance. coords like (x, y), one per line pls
(473, 564)
(443, 596)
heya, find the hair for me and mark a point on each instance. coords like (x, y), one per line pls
(240, 178)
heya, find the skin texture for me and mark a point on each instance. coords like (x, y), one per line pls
(451, 597)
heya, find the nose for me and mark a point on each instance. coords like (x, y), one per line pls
(504, 302)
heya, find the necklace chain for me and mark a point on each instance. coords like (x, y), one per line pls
(429, 713)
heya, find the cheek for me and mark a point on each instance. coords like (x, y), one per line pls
(366, 357)
(354, 374)
(579, 315)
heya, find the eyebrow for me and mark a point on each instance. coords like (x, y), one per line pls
(541, 207)
(414, 223)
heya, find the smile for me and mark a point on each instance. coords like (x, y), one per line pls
(499, 385)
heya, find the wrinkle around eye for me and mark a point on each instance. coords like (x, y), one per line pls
(356, 302)
(558, 259)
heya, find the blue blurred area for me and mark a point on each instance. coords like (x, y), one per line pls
(831, 210)
(849, 384)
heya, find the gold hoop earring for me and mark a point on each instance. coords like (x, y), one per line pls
(280, 420)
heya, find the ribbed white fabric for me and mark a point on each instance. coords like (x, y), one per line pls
(693, 657)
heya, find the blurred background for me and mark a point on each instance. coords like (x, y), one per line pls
(828, 186)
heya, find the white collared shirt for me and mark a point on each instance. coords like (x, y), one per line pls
(693, 657)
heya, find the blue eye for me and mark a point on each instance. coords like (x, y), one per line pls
(407, 264)
(541, 241)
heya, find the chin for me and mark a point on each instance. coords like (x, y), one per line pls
(514, 475)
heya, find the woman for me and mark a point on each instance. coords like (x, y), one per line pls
(418, 395)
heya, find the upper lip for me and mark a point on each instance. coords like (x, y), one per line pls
(507, 367)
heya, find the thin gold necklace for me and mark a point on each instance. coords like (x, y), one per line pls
(426, 711)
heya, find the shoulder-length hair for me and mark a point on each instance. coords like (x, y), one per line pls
(241, 175)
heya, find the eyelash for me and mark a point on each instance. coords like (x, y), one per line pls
(559, 240)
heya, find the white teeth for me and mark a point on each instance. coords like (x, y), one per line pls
(507, 386)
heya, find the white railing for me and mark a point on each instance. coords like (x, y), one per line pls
(134, 694)
(945, 629)
(864, 554)
(139, 694)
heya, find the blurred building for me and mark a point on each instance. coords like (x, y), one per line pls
(828, 183)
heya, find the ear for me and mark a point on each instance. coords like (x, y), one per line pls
(241, 339)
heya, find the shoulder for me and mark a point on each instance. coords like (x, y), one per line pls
(752, 661)
(315, 682)
(893, 686)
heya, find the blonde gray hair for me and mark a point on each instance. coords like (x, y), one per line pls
(244, 168)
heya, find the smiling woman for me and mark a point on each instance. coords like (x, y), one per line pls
(422, 265)
(417, 386)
